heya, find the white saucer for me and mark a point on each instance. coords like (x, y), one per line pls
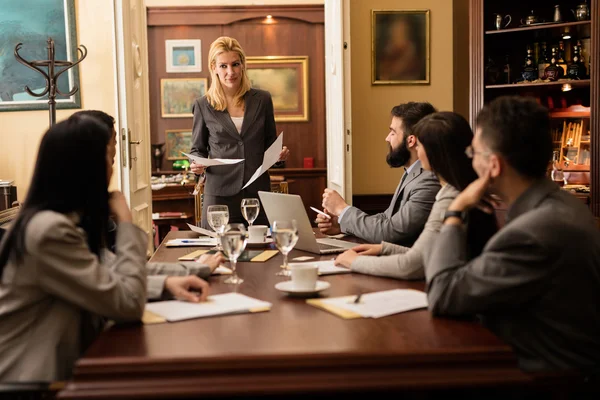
(266, 243)
(288, 287)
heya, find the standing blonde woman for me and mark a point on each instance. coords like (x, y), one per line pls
(232, 121)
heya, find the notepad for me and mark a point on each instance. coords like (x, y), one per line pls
(264, 256)
(193, 255)
(373, 305)
(326, 267)
(220, 304)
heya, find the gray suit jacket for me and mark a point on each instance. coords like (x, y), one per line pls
(407, 262)
(51, 302)
(215, 136)
(536, 284)
(404, 219)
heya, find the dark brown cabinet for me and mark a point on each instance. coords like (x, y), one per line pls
(510, 60)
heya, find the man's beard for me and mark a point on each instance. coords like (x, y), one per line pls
(397, 158)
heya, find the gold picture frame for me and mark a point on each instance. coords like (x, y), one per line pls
(177, 140)
(286, 78)
(400, 47)
(177, 96)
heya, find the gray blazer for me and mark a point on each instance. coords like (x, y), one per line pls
(404, 219)
(536, 284)
(51, 302)
(215, 136)
(407, 262)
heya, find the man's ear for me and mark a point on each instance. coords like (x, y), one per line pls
(496, 165)
(411, 141)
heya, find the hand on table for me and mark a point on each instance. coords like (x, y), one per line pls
(181, 288)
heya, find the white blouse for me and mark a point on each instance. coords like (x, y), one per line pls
(237, 121)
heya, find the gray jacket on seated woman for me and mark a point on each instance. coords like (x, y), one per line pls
(442, 139)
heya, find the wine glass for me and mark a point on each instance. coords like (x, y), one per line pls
(250, 209)
(233, 241)
(218, 217)
(286, 236)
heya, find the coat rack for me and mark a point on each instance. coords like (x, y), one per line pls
(52, 76)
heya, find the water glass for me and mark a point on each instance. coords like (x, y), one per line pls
(218, 217)
(233, 241)
(250, 209)
(286, 236)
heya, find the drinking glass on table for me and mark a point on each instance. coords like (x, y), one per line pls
(286, 236)
(233, 241)
(218, 217)
(250, 209)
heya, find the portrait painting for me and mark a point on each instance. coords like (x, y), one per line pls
(177, 96)
(32, 22)
(286, 78)
(183, 56)
(178, 140)
(400, 47)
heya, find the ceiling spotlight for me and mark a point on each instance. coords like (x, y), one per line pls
(566, 87)
(566, 36)
(269, 17)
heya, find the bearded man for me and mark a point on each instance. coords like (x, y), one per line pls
(405, 218)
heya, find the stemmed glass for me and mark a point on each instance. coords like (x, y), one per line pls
(218, 217)
(233, 241)
(250, 209)
(286, 236)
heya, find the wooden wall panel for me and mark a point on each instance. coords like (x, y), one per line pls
(305, 139)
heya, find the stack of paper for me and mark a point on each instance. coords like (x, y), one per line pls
(220, 304)
(373, 305)
(326, 267)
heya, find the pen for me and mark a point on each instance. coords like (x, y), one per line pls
(193, 241)
(321, 212)
(357, 300)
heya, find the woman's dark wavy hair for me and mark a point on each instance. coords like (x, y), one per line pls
(445, 137)
(69, 176)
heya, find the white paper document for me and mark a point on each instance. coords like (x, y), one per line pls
(326, 267)
(381, 304)
(202, 231)
(211, 162)
(222, 270)
(219, 304)
(202, 241)
(271, 157)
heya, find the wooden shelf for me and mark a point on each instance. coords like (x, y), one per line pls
(570, 113)
(572, 82)
(537, 27)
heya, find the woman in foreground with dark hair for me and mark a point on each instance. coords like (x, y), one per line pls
(442, 138)
(55, 290)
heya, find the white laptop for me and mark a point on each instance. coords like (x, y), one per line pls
(279, 206)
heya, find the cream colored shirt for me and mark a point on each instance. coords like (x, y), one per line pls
(238, 121)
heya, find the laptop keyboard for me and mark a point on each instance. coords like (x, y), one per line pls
(327, 247)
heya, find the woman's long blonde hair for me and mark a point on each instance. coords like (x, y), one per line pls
(215, 94)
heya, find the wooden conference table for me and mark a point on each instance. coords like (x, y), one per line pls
(293, 349)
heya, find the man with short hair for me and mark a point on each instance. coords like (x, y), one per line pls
(537, 282)
(405, 218)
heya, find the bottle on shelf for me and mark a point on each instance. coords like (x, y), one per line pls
(576, 68)
(553, 72)
(492, 72)
(530, 70)
(506, 76)
(557, 175)
(560, 59)
(543, 61)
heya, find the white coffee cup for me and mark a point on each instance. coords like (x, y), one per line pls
(304, 277)
(257, 233)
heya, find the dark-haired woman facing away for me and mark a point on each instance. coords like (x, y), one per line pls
(54, 291)
(442, 140)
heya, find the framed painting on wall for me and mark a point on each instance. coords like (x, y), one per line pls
(286, 78)
(184, 55)
(32, 22)
(177, 96)
(178, 140)
(400, 47)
